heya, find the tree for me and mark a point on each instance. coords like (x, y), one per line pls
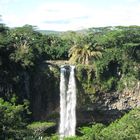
(0, 18)
(84, 52)
(25, 43)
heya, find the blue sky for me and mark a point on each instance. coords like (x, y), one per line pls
(62, 15)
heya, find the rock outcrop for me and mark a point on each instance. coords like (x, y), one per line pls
(109, 106)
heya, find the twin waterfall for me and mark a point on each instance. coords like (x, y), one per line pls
(67, 102)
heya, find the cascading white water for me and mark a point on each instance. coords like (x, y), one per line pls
(62, 102)
(67, 103)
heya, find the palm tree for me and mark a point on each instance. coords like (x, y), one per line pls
(84, 54)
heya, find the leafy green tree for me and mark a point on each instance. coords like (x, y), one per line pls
(56, 48)
(25, 45)
(12, 119)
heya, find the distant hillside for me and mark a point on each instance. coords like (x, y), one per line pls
(93, 29)
(59, 32)
(48, 32)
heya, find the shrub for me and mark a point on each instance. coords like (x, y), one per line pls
(127, 128)
(12, 119)
(38, 128)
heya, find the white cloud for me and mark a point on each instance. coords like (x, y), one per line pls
(59, 11)
(132, 1)
(73, 16)
(57, 16)
(5, 3)
(4, 6)
(116, 15)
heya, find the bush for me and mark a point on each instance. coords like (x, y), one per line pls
(12, 119)
(91, 133)
(38, 128)
(127, 128)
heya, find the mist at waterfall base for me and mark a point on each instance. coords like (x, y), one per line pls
(67, 102)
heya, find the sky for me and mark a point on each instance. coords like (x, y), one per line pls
(63, 15)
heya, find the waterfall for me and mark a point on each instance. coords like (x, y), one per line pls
(62, 102)
(67, 102)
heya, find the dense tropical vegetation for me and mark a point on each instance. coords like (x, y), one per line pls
(106, 57)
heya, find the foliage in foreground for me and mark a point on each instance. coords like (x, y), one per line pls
(12, 119)
(38, 128)
(126, 128)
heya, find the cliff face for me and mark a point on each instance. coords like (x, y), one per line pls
(45, 92)
(92, 105)
(109, 106)
(100, 105)
(128, 99)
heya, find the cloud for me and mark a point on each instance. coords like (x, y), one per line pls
(132, 1)
(57, 11)
(64, 16)
(66, 20)
(4, 6)
(5, 3)
(58, 22)
(58, 16)
(53, 16)
(73, 16)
